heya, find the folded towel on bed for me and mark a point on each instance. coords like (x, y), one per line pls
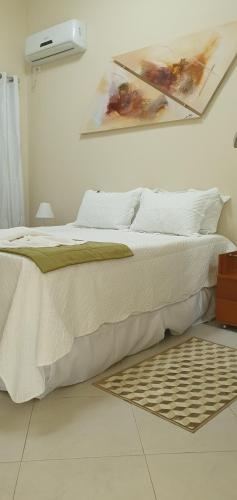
(21, 237)
(52, 258)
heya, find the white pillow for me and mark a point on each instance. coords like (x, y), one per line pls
(213, 210)
(178, 213)
(108, 210)
(215, 203)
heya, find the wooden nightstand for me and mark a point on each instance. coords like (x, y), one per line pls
(226, 290)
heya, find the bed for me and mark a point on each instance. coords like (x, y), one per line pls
(68, 325)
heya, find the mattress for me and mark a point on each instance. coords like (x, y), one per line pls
(41, 315)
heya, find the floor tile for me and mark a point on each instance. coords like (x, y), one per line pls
(84, 389)
(210, 476)
(219, 325)
(4, 396)
(215, 334)
(82, 427)
(234, 407)
(120, 478)
(14, 420)
(160, 436)
(8, 476)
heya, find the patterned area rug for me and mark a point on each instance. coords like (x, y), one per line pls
(187, 384)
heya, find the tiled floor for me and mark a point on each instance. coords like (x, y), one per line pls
(80, 443)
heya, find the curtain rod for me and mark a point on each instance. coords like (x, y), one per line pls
(9, 78)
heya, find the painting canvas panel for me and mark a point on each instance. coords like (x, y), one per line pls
(123, 100)
(189, 69)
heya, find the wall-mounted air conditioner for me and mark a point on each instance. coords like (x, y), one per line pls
(58, 41)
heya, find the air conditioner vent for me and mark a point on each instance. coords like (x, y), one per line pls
(42, 58)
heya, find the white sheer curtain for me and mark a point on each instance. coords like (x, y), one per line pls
(11, 185)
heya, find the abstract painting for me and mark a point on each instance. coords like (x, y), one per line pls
(123, 100)
(188, 70)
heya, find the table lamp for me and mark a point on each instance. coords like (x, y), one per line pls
(44, 212)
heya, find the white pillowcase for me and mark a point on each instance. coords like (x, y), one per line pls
(108, 210)
(213, 209)
(178, 213)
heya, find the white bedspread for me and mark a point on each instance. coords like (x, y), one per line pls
(41, 314)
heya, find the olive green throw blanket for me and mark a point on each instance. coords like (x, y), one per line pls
(51, 258)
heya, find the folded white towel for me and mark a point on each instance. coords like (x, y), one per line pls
(19, 237)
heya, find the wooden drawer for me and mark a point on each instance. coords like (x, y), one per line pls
(226, 311)
(228, 263)
(226, 288)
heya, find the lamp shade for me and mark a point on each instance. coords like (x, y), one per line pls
(44, 211)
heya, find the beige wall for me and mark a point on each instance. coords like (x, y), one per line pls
(13, 29)
(198, 154)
